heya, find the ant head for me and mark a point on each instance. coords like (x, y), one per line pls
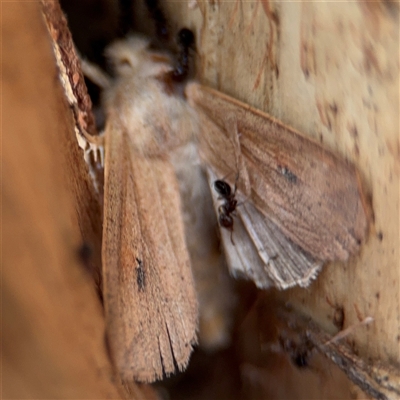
(222, 188)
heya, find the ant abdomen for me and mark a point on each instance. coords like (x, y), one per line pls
(227, 209)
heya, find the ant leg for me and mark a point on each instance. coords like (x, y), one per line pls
(235, 186)
(233, 243)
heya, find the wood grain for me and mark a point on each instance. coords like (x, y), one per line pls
(330, 70)
(53, 331)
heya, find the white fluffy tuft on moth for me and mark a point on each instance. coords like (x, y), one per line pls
(141, 102)
(298, 206)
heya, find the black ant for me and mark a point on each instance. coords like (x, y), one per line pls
(227, 209)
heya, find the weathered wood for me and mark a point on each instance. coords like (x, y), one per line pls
(53, 331)
(331, 71)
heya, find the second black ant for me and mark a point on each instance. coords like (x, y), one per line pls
(227, 209)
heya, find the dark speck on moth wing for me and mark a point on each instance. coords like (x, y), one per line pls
(287, 173)
(140, 275)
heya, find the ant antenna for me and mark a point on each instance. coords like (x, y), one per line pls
(158, 16)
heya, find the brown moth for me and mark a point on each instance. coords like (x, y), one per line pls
(298, 205)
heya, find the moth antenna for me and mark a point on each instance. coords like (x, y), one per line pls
(94, 73)
(158, 16)
(345, 332)
(125, 17)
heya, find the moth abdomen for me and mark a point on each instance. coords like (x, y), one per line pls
(225, 219)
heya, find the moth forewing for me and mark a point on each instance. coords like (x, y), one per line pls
(313, 196)
(149, 296)
(261, 252)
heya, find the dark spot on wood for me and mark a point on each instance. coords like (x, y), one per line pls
(299, 351)
(377, 295)
(338, 318)
(380, 236)
(275, 17)
(85, 254)
(108, 347)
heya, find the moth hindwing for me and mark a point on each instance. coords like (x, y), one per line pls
(261, 252)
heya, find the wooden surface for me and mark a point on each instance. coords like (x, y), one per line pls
(53, 333)
(331, 70)
(328, 69)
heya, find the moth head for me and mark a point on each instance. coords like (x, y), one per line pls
(132, 56)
